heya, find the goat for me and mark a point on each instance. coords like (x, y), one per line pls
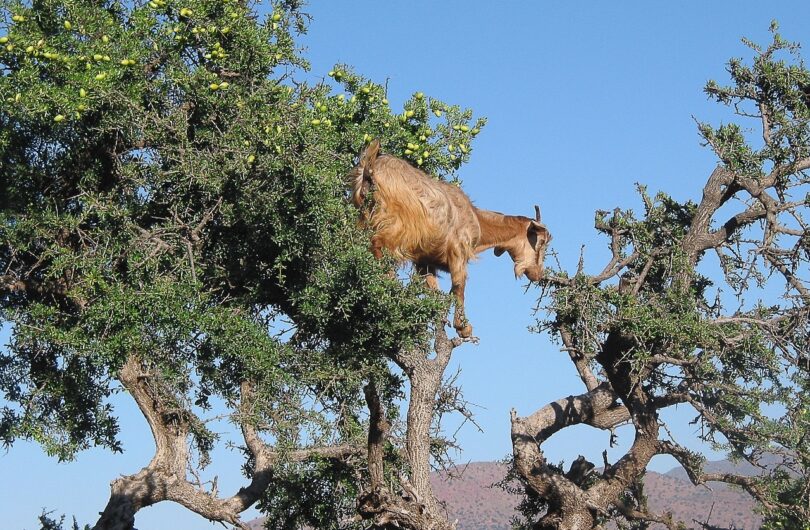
(435, 226)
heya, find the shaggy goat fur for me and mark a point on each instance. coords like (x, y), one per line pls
(435, 226)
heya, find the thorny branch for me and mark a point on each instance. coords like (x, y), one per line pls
(638, 373)
(164, 478)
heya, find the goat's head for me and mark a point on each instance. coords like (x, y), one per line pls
(529, 252)
(361, 176)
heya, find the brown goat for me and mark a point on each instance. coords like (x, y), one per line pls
(435, 226)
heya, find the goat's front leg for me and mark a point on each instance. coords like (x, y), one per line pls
(458, 276)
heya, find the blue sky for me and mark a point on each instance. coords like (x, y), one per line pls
(583, 99)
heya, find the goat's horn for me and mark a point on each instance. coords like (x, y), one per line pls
(537, 213)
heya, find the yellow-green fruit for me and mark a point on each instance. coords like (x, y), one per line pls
(82, 93)
(315, 122)
(29, 49)
(437, 113)
(186, 12)
(276, 17)
(3, 40)
(105, 39)
(97, 57)
(224, 85)
(251, 159)
(213, 86)
(17, 97)
(409, 114)
(475, 131)
(366, 90)
(408, 152)
(420, 95)
(385, 101)
(82, 107)
(153, 5)
(9, 47)
(68, 25)
(101, 77)
(331, 73)
(225, 30)
(464, 128)
(58, 118)
(18, 18)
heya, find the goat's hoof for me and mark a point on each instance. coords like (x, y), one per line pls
(465, 332)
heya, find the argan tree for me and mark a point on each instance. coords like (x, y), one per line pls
(703, 304)
(174, 224)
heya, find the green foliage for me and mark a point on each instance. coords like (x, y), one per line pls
(779, 79)
(171, 193)
(46, 523)
(739, 361)
(317, 494)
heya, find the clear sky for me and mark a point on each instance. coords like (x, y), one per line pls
(583, 99)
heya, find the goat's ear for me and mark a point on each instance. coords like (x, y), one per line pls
(369, 153)
(537, 227)
(499, 251)
(540, 229)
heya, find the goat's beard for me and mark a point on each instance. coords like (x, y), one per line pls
(533, 272)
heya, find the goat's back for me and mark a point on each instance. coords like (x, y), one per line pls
(419, 218)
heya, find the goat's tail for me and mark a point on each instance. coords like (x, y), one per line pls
(363, 172)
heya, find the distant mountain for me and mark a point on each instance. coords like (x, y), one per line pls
(471, 499)
(477, 506)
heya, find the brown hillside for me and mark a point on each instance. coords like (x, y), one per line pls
(477, 506)
(469, 499)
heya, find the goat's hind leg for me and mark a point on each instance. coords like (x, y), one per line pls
(429, 274)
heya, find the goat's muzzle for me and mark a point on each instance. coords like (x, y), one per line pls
(534, 274)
